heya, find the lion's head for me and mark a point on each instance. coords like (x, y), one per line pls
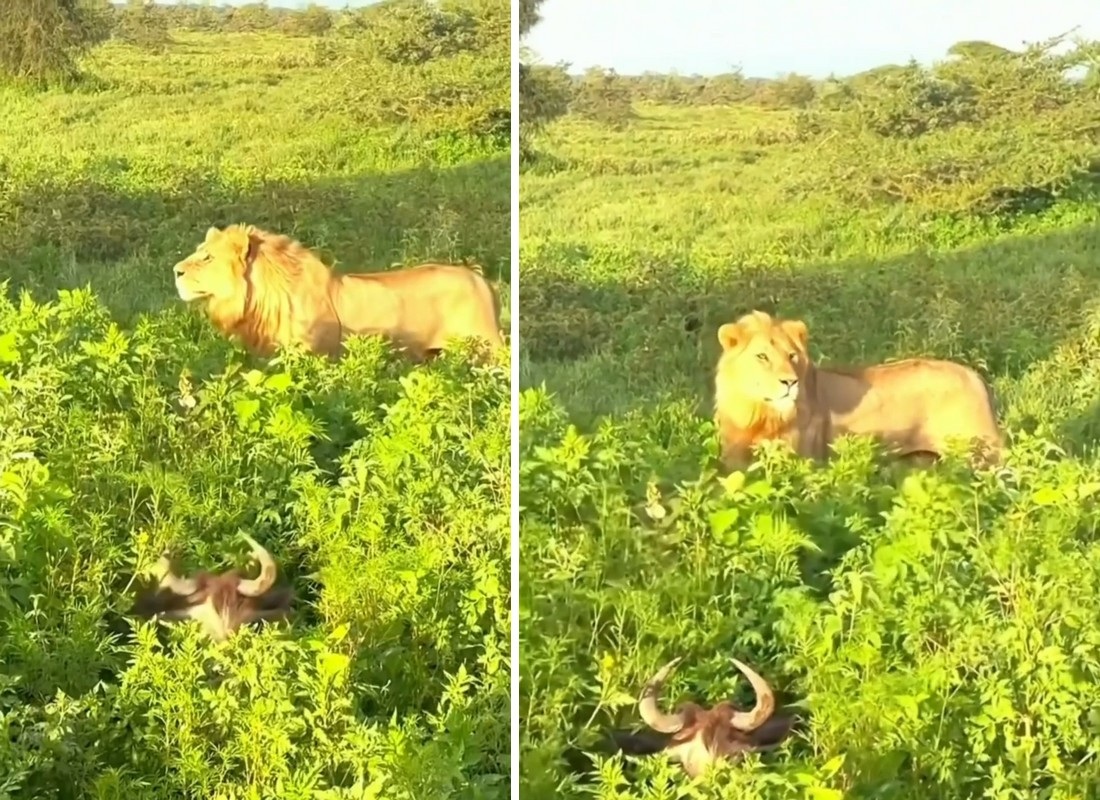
(764, 364)
(216, 270)
(265, 288)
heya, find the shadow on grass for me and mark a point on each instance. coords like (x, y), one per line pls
(124, 243)
(610, 346)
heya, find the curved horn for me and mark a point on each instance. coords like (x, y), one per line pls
(169, 580)
(254, 587)
(647, 703)
(765, 701)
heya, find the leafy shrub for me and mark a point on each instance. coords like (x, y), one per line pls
(438, 69)
(416, 31)
(249, 18)
(790, 91)
(601, 95)
(381, 490)
(314, 20)
(910, 102)
(143, 26)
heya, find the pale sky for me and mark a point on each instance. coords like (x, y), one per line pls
(769, 37)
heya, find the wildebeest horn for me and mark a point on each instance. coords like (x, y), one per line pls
(254, 587)
(647, 704)
(169, 580)
(765, 701)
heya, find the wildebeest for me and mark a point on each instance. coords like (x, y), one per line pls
(221, 603)
(697, 737)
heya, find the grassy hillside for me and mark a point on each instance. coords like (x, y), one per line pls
(935, 629)
(128, 425)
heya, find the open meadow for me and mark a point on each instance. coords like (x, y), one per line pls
(936, 630)
(128, 424)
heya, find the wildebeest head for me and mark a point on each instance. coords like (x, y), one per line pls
(221, 603)
(698, 737)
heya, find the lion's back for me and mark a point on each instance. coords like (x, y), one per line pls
(934, 394)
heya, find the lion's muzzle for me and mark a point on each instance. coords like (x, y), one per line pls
(186, 294)
(788, 393)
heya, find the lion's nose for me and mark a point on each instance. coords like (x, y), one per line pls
(178, 270)
(789, 383)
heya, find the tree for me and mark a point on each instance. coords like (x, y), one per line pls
(314, 20)
(602, 95)
(416, 31)
(144, 25)
(528, 15)
(41, 40)
(974, 48)
(543, 97)
(250, 18)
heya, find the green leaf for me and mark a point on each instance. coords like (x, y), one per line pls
(721, 521)
(1046, 496)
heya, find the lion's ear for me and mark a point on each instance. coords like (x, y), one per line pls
(252, 236)
(237, 238)
(730, 335)
(212, 234)
(797, 330)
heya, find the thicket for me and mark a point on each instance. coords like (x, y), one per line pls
(977, 83)
(383, 494)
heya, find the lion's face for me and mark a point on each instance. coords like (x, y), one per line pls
(765, 359)
(215, 271)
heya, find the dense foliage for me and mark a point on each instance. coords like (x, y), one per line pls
(127, 425)
(935, 629)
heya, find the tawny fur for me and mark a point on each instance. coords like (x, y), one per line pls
(767, 388)
(221, 603)
(269, 291)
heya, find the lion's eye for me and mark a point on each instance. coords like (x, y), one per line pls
(762, 357)
(794, 357)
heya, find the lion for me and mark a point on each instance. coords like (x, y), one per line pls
(768, 388)
(270, 291)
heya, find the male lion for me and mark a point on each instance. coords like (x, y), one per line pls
(270, 291)
(766, 387)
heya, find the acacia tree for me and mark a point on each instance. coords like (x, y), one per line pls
(41, 40)
(144, 25)
(543, 91)
(528, 15)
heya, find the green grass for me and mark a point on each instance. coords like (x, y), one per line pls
(127, 424)
(113, 184)
(938, 628)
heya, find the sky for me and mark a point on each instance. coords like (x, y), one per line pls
(770, 37)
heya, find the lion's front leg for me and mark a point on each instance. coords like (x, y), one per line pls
(734, 448)
(812, 440)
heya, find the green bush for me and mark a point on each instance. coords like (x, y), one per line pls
(382, 491)
(415, 31)
(143, 26)
(603, 96)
